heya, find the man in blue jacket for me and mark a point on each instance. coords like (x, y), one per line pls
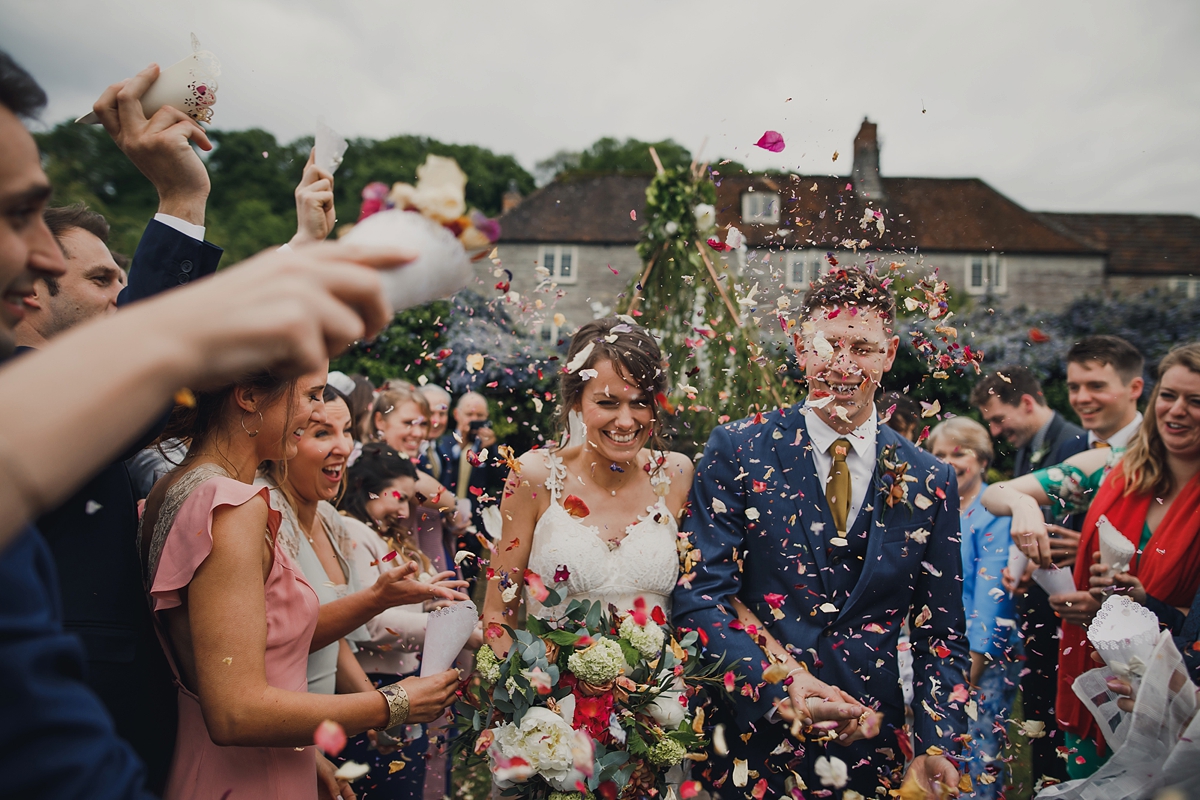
(93, 535)
(816, 533)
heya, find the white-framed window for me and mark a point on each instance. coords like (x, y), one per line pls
(1186, 287)
(562, 261)
(803, 267)
(760, 207)
(986, 274)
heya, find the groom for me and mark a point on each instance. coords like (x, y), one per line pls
(831, 529)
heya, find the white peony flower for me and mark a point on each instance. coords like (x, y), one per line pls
(831, 771)
(672, 227)
(668, 710)
(706, 217)
(544, 740)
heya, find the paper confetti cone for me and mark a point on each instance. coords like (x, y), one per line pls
(1124, 634)
(1115, 549)
(440, 269)
(1017, 561)
(189, 85)
(330, 147)
(446, 633)
(1054, 580)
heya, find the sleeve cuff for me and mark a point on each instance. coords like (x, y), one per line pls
(183, 226)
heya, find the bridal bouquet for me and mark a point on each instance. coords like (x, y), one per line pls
(595, 703)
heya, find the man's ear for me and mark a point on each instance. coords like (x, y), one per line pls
(893, 347)
(1135, 388)
(801, 356)
(1028, 403)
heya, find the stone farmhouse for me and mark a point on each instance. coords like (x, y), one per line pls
(582, 233)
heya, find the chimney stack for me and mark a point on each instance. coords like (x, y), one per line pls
(865, 174)
(511, 199)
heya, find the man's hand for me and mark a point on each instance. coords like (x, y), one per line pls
(160, 147)
(315, 215)
(813, 702)
(1064, 543)
(935, 776)
(486, 436)
(1075, 607)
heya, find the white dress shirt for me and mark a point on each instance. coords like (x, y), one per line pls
(182, 225)
(860, 460)
(1120, 439)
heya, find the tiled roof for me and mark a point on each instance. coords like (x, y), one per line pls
(586, 210)
(926, 214)
(1139, 244)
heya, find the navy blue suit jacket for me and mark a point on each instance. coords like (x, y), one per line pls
(92, 537)
(912, 562)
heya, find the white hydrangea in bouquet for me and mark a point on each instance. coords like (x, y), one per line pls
(597, 703)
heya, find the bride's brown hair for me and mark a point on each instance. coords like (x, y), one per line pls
(635, 356)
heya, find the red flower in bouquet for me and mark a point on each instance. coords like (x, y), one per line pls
(593, 714)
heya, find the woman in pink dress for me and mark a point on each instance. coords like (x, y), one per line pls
(236, 616)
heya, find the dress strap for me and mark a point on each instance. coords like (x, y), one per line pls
(557, 474)
(660, 476)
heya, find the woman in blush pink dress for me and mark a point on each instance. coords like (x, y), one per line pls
(236, 616)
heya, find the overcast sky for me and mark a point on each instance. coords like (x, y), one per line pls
(1069, 106)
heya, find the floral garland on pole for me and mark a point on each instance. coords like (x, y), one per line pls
(692, 301)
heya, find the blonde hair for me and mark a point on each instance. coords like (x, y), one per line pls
(965, 432)
(385, 403)
(1145, 462)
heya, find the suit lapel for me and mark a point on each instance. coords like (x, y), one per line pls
(806, 496)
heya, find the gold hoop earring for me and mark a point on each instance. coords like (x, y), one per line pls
(260, 424)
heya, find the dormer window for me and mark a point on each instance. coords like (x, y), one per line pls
(760, 207)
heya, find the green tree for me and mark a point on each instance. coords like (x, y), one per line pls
(396, 159)
(613, 156)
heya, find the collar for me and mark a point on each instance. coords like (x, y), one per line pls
(1120, 439)
(1039, 438)
(862, 438)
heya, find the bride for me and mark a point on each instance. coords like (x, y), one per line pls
(596, 519)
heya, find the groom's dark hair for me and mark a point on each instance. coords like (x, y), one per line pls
(848, 287)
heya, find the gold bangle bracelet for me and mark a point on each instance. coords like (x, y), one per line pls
(397, 700)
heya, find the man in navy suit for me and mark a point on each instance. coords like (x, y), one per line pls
(92, 536)
(816, 533)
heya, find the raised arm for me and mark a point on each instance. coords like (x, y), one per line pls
(522, 504)
(284, 311)
(315, 213)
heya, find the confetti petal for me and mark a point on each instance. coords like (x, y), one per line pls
(772, 141)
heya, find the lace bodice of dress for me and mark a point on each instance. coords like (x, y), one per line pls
(643, 564)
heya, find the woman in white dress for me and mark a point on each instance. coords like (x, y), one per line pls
(596, 519)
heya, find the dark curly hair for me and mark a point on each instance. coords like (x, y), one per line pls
(634, 354)
(376, 467)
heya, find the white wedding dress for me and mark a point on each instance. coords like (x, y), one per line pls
(644, 564)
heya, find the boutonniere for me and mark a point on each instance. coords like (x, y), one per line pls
(1039, 455)
(893, 474)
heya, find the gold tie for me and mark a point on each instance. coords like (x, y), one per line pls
(464, 473)
(1100, 445)
(434, 459)
(837, 491)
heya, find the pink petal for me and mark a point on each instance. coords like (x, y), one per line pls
(771, 140)
(330, 737)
